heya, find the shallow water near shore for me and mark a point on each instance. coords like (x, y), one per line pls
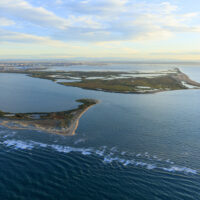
(128, 146)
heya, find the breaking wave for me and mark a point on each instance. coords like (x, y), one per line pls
(107, 155)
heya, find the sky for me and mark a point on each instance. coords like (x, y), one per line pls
(100, 29)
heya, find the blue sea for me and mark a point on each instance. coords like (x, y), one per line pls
(129, 146)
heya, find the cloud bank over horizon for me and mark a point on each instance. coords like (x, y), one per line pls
(129, 29)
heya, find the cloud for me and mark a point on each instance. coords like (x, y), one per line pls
(59, 2)
(15, 37)
(181, 53)
(98, 20)
(23, 10)
(123, 20)
(84, 22)
(6, 22)
(96, 7)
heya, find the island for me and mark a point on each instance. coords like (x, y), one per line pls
(64, 123)
(139, 82)
(122, 82)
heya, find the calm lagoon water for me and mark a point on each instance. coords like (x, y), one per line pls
(127, 147)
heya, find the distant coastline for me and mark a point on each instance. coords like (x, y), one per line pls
(138, 82)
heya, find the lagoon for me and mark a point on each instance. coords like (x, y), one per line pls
(142, 146)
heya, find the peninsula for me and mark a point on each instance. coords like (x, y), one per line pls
(65, 122)
(139, 82)
(122, 82)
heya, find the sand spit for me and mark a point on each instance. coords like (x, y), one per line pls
(64, 123)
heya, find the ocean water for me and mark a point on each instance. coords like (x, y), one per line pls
(129, 146)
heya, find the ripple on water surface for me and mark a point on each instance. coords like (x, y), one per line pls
(48, 169)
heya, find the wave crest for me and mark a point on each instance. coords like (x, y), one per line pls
(108, 155)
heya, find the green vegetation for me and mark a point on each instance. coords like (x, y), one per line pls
(87, 102)
(55, 122)
(130, 84)
(73, 74)
(51, 115)
(115, 82)
(2, 113)
(118, 81)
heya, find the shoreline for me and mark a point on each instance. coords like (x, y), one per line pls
(62, 123)
(169, 80)
(180, 77)
(76, 123)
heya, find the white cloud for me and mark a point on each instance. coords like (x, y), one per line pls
(100, 20)
(15, 37)
(84, 22)
(96, 7)
(164, 23)
(59, 2)
(112, 20)
(6, 22)
(21, 9)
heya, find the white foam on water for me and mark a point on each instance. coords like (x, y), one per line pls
(108, 155)
(169, 161)
(79, 141)
(86, 152)
(108, 159)
(100, 152)
(17, 144)
(113, 149)
(67, 149)
(39, 144)
(180, 169)
(125, 162)
(6, 136)
(7, 133)
(61, 149)
(155, 157)
(150, 167)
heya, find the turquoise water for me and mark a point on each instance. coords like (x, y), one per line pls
(127, 147)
